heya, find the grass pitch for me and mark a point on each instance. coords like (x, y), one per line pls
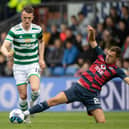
(68, 120)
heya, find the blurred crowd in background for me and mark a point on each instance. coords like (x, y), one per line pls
(67, 52)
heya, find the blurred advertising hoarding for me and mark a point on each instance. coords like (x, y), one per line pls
(114, 95)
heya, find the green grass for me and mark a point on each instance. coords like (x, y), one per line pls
(68, 120)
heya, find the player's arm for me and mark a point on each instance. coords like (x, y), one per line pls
(126, 79)
(92, 41)
(91, 37)
(41, 54)
(122, 75)
(41, 50)
(6, 49)
(6, 46)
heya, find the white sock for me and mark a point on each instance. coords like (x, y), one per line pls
(23, 104)
(34, 95)
(26, 113)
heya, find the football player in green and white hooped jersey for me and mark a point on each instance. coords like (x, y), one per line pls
(28, 54)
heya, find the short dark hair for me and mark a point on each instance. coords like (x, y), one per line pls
(81, 13)
(73, 16)
(69, 41)
(126, 60)
(28, 9)
(117, 50)
(125, 6)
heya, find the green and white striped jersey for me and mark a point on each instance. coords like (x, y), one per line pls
(25, 43)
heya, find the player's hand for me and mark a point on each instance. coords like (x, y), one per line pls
(10, 55)
(42, 64)
(91, 34)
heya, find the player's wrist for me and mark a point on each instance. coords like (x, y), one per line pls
(5, 54)
(41, 59)
(91, 38)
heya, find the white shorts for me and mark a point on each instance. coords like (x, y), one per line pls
(23, 72)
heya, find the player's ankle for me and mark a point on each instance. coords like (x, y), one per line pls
(26, 113)
(34, 95)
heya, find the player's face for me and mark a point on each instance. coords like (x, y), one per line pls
(111, 57)
(27, 18)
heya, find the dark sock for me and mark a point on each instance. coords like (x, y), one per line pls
(39, 107)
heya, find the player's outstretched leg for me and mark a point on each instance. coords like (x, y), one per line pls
(98, 115)
(58, 99)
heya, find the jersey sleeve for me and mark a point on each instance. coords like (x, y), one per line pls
(121, 73)
(10, 36)
(99, 51)
(40, 34)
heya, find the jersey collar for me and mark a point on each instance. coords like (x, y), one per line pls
(26, 31)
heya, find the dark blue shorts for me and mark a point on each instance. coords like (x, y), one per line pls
(79, 93)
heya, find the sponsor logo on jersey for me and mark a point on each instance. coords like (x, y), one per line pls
(27, 40)
(101, 69)
(103, 66)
